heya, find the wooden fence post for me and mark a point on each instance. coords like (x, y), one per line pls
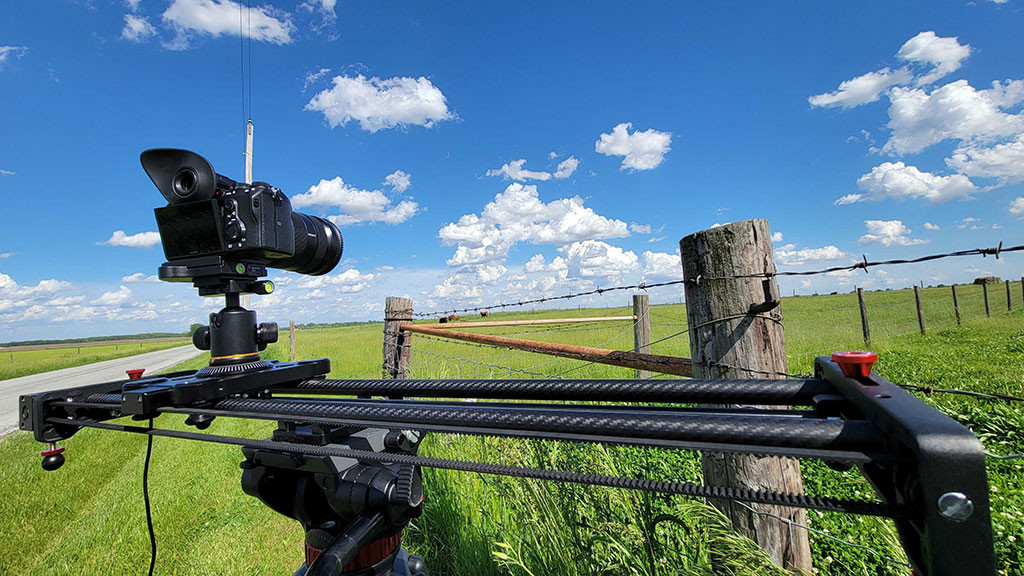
(397, 311)
(291, 340)
(864, 317)
(920, 313)
(642, 328)
(736, 332)
(956, 306)
(984, 289)
(1009, 301)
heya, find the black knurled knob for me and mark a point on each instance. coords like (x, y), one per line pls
(201, 338)
(266, 333)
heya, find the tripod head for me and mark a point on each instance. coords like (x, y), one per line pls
(233, 337)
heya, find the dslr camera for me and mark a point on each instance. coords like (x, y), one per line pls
(208, 214)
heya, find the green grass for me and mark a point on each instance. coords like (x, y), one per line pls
(16, 363)
(88, 517)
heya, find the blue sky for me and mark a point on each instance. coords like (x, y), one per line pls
(474, 152)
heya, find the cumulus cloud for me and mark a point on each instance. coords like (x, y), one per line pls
(660, 265)
(594, 258)
(140, 240)
(9, 53)
(793, 257)
(640, 150)
(566, 167)
(346, 282)
(957, 111)
(140, 277)
(119, 297)
(356, 206)
(1017, 207)
(518, 215)
(639, 228)
(515, 170)
(897, 181)
(221, 17)
(399, 181)
(930, 226)
(945, 55)
(888, 233)
(1003, 161)
(381, 104)
(862, 89)
(137, 28)
(777, 237)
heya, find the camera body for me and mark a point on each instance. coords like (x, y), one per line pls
(210, 215)
(242, 221)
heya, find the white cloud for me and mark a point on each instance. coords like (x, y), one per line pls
(137, 28)
(11, 52)
(594, 258)
(552, 155)
(777, 237)
(662, 265)
(957, 111)
(121, 296)
(314, 77)
(639, 228)
(897, 181)
(793, 257)
(132, 5)
(518, 215)
(221, 17)
(6, 255)
(381, 104)
(1003, 161)
(6, 173)
(944, 54)
(862, 89)
(399, 181)
(640, 150)
(566, 167)
(140, 240)
(930, 226)
(356, 205)
(514, 170)
(140, 277)
(888, 233)
(968, 221)
(325, 8)
(1017, 207)
(346, 282)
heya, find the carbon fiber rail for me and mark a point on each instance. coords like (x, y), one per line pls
(678, 390)
(688, 489)
(769, 430)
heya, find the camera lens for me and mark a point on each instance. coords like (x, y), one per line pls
(185, 182)
(318, 246)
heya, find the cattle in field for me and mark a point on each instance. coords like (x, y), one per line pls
(483, 314)
(442, 320)
(453, 318)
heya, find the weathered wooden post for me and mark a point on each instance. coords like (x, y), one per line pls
(1022, 287)
(291, 340)
(397, 311)
(956, 306)
(1009, 300)
(984, 289)
(642, 328)
(920, 313)
(864, 317)
(736, 332)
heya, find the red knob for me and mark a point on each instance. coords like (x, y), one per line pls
(855, 363)
(135, 374)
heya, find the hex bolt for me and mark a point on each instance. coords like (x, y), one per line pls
(955, 506)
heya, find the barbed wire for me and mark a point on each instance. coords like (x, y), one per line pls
(864, 264)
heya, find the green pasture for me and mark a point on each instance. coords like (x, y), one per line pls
(88, 518)
(15, 363)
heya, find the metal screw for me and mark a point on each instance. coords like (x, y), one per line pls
(955, 506)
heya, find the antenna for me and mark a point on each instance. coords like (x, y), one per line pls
(248, 152)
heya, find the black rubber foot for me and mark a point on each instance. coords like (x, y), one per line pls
(53, 461)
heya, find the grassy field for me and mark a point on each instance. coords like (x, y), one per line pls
(15, 363)
(88, 518)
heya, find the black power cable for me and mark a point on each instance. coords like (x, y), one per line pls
(145, 497)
